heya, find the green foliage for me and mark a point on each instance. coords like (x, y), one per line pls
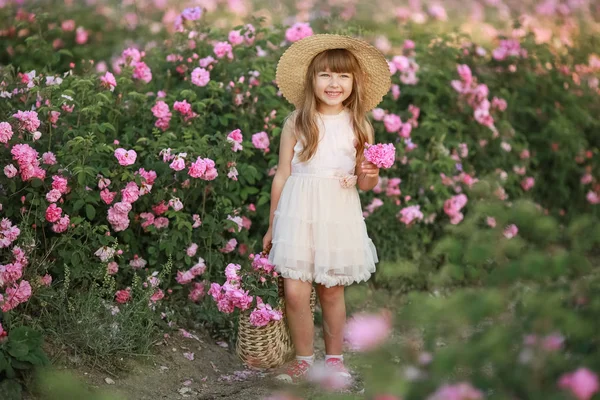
(59, 385)
(510, 316)
(20, 352)
(101, 333)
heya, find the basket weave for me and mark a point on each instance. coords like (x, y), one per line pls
(268, 346)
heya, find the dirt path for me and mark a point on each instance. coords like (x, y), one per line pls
(213, 372)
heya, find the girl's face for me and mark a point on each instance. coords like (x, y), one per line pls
(332, 89)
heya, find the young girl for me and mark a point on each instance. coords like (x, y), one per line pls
(316, 227)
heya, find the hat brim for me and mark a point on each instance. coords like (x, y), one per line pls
(292, 66)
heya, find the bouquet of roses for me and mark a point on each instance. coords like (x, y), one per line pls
(382, 155)
(253, 288)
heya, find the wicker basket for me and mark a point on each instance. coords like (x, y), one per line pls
(267, 346)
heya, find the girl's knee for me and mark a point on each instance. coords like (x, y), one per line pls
(297, 294)
(332, 294)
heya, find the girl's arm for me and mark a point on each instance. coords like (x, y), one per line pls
(367, 172)
(284, 170)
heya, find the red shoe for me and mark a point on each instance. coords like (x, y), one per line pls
(336, 365)
(333, 375)
(294, 372)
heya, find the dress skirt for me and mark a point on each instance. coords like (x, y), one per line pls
(319, 232)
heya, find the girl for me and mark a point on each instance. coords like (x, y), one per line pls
(316, 227)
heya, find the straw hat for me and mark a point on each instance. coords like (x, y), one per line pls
(292, 66)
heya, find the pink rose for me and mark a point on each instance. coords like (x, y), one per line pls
(179, 162)
(108, 81)
(382, 155)
(125, 157)
(112, 268)
(130, 193)
(223, 49)
(235, 38)
(230, 246)
(46, 280)
(53, 196)
(527, 183)
(200, 77)
(184, 278)
(53, 213)
(392, 123)
(10, 171)
(378, 114)
(260, 140)
(6, 132)
(60, 183)
(298, 31)
(459, 391)
(191, 250)
(107, 196)
(197, 168)
(511, 231)
(410, 214)
(161, 222)
(123, 296)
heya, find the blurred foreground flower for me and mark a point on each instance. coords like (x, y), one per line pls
(329, 378)
(583, 383)
(460, 391)
(365, 332)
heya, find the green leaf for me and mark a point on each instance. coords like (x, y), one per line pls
(22, 364)
(27, 335)
(90, 211)
(65, 52)
(3, 362)
(78, 204)
(36, 357)
(109, 126)
(104, 97)
(81, 178)
(75, 259)
(188, 95)
(262, 200)
(10, 389)
(36, 183)
(17, 349)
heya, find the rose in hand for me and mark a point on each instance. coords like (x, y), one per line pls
(381, 155)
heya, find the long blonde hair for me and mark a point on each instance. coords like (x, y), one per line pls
(306, 129)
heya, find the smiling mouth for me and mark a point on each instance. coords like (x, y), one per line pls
(333, 94)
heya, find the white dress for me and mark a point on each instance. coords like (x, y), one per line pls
(319, 232)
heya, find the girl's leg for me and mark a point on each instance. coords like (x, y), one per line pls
(334, 317)
(299, 317)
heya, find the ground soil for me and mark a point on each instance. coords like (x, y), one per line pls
(214, 373)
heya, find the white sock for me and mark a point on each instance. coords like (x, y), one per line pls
(308, 359)
(328, 357)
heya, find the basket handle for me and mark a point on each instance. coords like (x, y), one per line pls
(267, 250)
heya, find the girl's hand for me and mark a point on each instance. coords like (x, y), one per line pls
(369, 169)
(267, 239)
